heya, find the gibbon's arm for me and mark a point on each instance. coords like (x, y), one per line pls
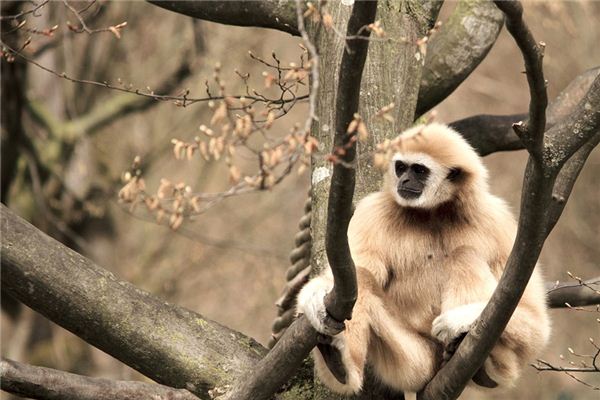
(467, 285)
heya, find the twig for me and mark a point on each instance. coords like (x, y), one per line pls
(25, 12)
(182, 100)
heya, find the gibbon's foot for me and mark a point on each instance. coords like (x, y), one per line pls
(311, 303)
(481, 377)
(333, 357)
(450, 325)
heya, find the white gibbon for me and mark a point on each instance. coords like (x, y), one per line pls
(429, 249)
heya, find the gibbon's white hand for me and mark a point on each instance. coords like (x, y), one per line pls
(455, 322)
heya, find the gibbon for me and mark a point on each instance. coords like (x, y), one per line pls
(429, 249)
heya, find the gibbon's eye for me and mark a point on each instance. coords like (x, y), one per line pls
(400, 168)
(454, 174)
(419, 169)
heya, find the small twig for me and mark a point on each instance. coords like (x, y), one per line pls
(25, 12)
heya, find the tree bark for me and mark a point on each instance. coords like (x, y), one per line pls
(275, 14)
(50, 384)
(169, 344)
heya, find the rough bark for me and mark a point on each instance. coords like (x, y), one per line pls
(50, 384)
(275, 14)
(492, 133)
(457, 49)
(405, 22)
(169, 344)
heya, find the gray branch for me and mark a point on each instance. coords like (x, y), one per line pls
(169, 344)
(586, 293)
(457, 49)
(492, 133)
(297, 341)
(275, 14)
(535, 222)
(51, 384)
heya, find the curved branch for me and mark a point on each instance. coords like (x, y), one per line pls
(586, 293)
(456, 50)
(341, 299)
(532, 132)
(167, 343)
(534, 226)
(274, 14)
(491, 133)
(569, 135)
(51, 384)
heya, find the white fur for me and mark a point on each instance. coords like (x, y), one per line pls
(456, 321)
(311, 302)
(436, 191)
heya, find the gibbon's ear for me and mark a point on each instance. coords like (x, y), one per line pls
(455, 174)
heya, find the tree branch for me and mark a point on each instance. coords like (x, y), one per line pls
(340, 300)
(169, 344)
(300, 337)
(534, 226)
(585, 293)
(491, 133)
(569, 135)
(50, 384)
(108, 111)
(274, 14)
(532, 132)
(456, 50)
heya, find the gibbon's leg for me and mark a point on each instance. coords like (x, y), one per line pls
(469, 283)
(347, 349)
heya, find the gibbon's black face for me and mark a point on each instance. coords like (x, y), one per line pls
(412, 179)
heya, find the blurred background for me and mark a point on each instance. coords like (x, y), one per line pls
(229, 264)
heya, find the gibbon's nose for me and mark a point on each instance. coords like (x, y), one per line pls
(410, 189)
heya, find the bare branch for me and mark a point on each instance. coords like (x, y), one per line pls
(300, 337)
(274, 14)
(569, 135)
(456, 50)
(532, 132)
(169, 344)
(491, 133)
(50, 384)
(341, 300)
(584, 293)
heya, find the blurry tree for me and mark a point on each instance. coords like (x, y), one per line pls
(368, 70)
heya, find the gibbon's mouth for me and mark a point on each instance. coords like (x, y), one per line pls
(409, 193)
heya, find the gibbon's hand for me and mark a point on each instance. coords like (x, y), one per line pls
(311, 303)
(450, 325)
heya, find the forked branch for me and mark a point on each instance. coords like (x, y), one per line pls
(535, 222)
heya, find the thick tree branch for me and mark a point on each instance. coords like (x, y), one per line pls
(491, 133)
(457, 49)
(341, 192)
(169, 344)
(300, 337)
(569, 135)
(585, 293)
(534, 226)
(51, 384)
(275, 14)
